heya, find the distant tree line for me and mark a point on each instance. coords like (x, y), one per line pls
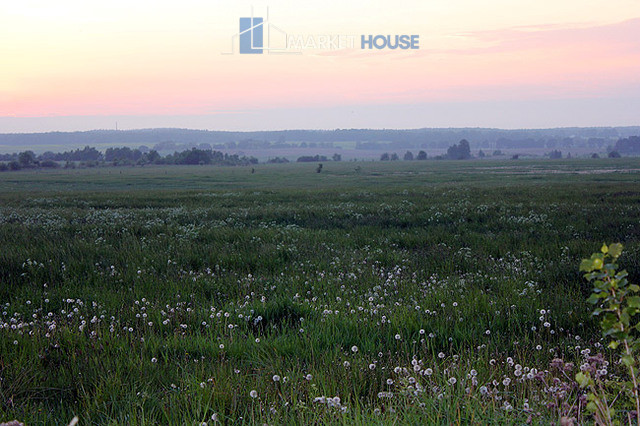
(86, 154)
(203, 154)
(199, 156)
(91, 157)
(459, 151)
(170, 140)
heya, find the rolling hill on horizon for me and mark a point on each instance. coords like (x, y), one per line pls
(168, 139)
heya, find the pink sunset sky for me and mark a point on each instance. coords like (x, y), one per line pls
(76, 65)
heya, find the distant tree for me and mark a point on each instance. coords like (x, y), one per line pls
(459, 151)
(408, 156)
(26, 158)
(384, 157)
(594, 155)
(118, 155)
(336, 157)
(515, 156)
(194, 156)
(481, 154)
(153, 156)
(14, 165)
(422, 155)
(614, 154)
(555, 154)
(464, 149)
(8, 157)
(48, 155)
(630, 145)
(319, 169)
(394, 157)
(3, 167)
(497, 152)
(452, 152)
(277, 160)
(86, 154)
(136, 155)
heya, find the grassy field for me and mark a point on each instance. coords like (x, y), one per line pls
(371, 293)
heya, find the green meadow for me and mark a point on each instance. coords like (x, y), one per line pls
(417, 292)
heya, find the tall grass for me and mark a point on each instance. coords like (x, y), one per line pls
(412, 292)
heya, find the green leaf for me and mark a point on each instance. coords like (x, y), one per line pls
(582, 379)
(614, 344)
(601, 286)
(615, 250)
(628, 360)
(597, 262)
(604, 248)
(593, 299)
(625, 318)
(586, 265)
(592, 407)
(634, 301)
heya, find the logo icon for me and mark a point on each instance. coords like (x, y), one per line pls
(257, 35)
(251, 35)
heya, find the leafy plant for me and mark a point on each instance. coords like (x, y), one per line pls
(617, 306)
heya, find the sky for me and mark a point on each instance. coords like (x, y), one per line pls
(80, 65)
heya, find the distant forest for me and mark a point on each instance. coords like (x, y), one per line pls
(171, 140)
(190, 147)
(125, 156)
